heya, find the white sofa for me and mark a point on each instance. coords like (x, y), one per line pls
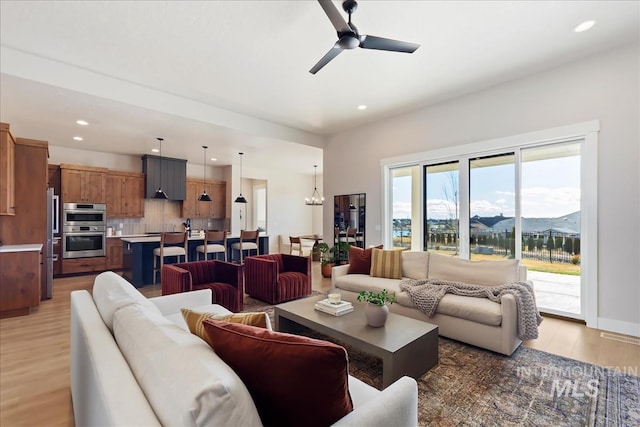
(477, 321)
(134, 363)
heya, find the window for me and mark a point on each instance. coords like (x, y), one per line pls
(442, 208)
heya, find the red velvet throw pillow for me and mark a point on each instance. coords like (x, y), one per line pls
(360, 260)
(293, 380)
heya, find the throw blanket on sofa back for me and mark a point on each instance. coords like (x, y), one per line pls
(426, 294)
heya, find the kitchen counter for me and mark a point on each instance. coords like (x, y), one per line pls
(137, 254)
(34, 247)
(154, 238)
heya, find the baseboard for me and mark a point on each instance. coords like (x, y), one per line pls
(619, 326)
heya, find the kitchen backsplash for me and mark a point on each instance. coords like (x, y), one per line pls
(163, 215)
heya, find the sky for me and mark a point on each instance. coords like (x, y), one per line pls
(550, 188)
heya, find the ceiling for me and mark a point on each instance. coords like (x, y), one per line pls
(234, 75)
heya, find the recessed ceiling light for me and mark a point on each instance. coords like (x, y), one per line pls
(213, 159)
(362, 107)
(77, 138)
(155, 150)
(584, 26)
(82, 122)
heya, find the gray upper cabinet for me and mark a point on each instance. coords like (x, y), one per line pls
(174, 176)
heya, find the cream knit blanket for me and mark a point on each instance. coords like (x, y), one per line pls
(426, 295)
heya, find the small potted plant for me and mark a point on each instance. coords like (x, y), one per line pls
(377, 308)
(331, 256)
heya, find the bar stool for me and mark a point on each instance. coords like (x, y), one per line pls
(248, 242)
(215, 242)
(169, 248)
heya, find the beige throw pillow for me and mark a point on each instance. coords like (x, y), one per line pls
(386, 264)
(194, 320)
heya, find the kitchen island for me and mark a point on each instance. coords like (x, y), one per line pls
(137, 255)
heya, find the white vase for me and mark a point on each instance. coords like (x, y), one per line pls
(376, 314)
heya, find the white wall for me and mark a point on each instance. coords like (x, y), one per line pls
(605, 87)
(286, 212)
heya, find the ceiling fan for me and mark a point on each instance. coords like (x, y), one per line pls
(349, 38)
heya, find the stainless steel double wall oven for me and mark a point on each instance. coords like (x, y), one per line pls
(83, 230)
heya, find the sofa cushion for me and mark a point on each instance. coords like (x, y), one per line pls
(479, 310)
(360, 259)
(415, 264)
(294, 380)
(386, 264)
(111, 292)
(186, 383)
(489, 273)
(358, 282)
(194, 320)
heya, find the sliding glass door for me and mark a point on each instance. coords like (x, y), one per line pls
(551, 225)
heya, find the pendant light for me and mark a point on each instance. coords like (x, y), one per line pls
(159, 193)
(204, 197)
(316, 199)
(240, 198)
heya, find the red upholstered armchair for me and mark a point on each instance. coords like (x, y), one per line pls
(276, 278)
(223, 278)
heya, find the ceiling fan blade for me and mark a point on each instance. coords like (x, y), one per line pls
(380, 43)
(334, 16)
(333, 52)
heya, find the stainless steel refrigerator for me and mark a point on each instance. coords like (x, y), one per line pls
(48, 253)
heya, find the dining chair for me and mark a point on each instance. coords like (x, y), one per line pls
(215, 242)
(295, 241)
(171, 245)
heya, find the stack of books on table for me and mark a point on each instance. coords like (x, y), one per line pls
(343, 307)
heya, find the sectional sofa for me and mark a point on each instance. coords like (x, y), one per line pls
(134, 363)
(477, 321)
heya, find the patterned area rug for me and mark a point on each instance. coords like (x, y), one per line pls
(475, 387)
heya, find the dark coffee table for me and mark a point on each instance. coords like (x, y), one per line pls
(405, 345)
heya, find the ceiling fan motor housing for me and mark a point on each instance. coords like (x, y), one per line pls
(348, 40)
(349, 6)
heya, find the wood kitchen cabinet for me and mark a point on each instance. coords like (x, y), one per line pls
(7, 171)
(83, 184)
(216, 208)
(113, 258)
(83, 265)
(125, 195)
(20, 276)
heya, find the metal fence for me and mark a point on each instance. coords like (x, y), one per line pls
(547, 246)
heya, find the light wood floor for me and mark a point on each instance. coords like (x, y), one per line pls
(34, 354)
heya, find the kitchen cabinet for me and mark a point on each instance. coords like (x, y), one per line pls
(173, 173)
(29, 224)
(7, 171)
(20, 276)
(216, 208)
(83, 265)
(218, 193)
(83, 184)
(113, 258)
(125, 195)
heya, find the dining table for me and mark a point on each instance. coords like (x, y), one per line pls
(315, 252)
